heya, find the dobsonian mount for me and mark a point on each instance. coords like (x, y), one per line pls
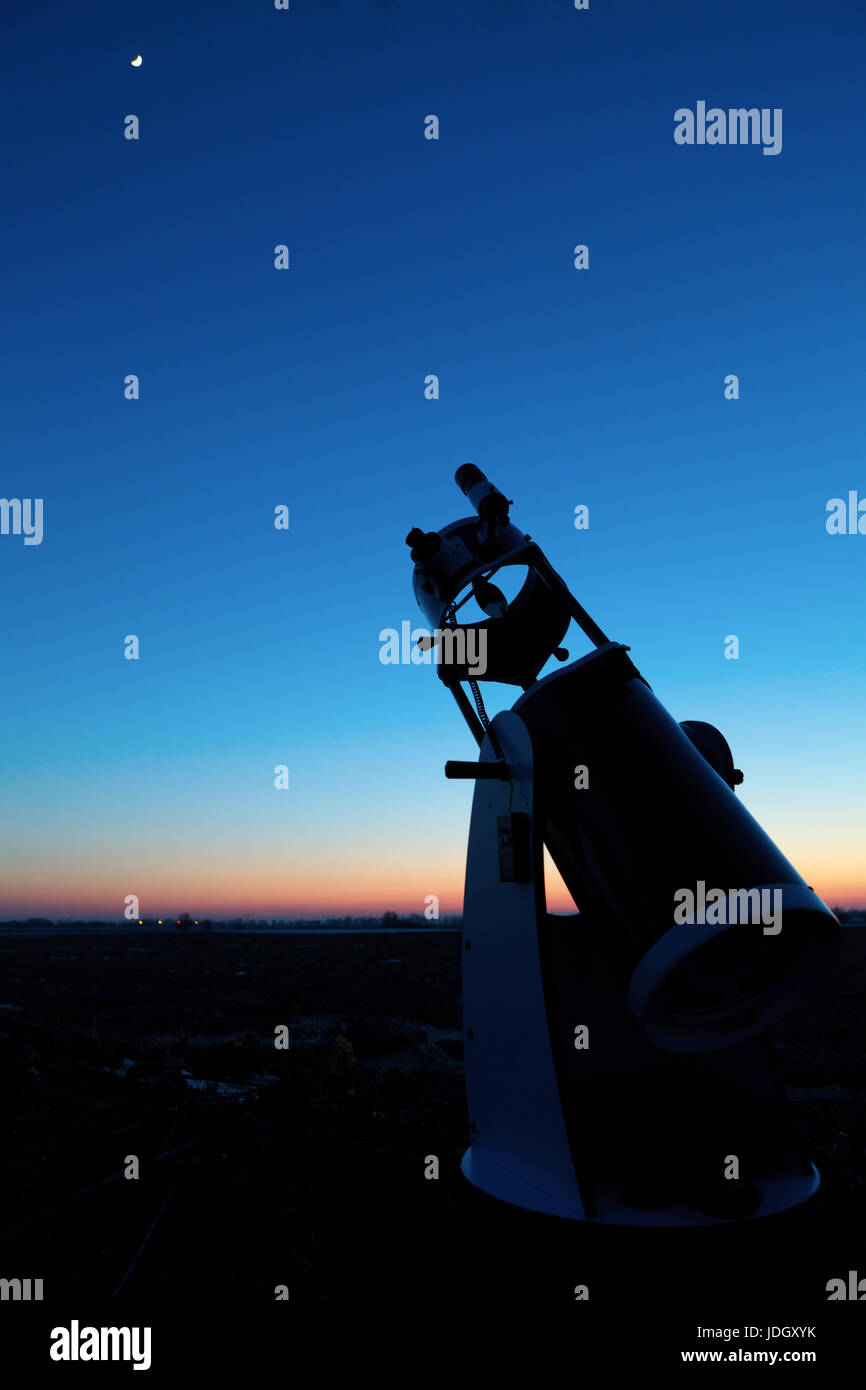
(617, 1067)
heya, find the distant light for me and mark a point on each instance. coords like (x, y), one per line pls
(136, 62)
(159, 923)
(140, 923)
(196, 922)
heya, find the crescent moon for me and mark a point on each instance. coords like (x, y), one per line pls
(136, 62)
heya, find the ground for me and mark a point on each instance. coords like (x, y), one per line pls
(304, 1167)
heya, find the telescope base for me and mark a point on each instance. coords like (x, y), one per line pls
(780, 1193)
(574, 1111)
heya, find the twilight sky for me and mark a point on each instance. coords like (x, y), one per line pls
(305, 387)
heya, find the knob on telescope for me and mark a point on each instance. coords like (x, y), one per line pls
(424, 544)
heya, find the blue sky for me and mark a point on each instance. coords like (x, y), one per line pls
(306, 387)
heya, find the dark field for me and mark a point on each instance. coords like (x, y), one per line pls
(262, 1167)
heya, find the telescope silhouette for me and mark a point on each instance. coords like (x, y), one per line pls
(617, 1064)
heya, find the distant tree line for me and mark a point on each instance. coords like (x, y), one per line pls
(186, 922)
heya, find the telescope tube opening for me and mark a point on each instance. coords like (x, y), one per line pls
(692, 994)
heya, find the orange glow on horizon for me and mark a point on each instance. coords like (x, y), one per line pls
(356, 888)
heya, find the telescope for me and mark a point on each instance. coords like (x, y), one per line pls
(617, 1064)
